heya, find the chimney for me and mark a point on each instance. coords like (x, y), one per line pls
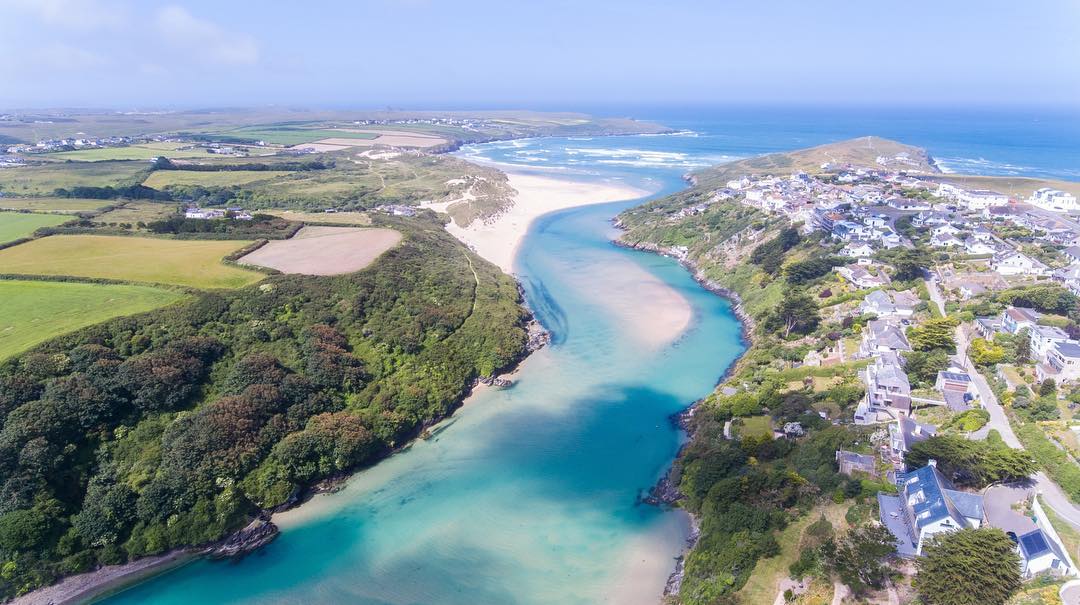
(931, 462)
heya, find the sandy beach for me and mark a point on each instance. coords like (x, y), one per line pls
(499, 239)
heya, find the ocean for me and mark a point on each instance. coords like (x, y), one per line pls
(533, 494)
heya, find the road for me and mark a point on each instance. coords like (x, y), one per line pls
(1052, 494)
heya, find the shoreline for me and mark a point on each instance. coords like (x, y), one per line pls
(498, 239)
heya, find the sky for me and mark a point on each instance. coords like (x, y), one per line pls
(142, 54)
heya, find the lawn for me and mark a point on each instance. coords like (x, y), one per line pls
(133, 152)
(1070, 536)
(134, 212)
(756, 426)
(762, 585)
(291, 135)
(140, 259)
(14, 225)
(65, 205)
(222, 178)
(336, 218)
(46, 178)
(35, 311)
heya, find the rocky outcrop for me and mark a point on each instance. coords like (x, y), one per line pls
(257, 534)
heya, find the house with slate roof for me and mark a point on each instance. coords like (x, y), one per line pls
(927, 504)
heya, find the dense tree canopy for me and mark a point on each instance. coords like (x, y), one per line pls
(968, 567)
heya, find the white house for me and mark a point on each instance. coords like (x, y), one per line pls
(927, 505)
(882, 336)
(1053, 199)
(945, 240)
(1043, 338)
(1017, 263)
(1062, 363)
(899, 305)
(977, 246)
(861, 278)
(857, 250)
(1015, 319)
(981, 199)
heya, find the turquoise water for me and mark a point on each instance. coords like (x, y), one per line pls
(531, 495)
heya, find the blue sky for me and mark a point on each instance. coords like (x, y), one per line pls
(481, 53)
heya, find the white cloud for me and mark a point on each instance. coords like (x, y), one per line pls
(204, 39)
(79, 15)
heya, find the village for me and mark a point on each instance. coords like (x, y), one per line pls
(980, 243)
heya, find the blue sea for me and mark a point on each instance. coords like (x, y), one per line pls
(533, 494)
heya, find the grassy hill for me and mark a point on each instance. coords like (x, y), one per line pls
(862, 152)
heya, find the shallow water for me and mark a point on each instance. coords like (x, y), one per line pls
(529, 495)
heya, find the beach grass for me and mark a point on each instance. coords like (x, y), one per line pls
(223, 178)
(45, 179)
(192, 263)
(14, 225)
(36, 311)
(62, 205)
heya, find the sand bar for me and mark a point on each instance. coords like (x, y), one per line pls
(498, 240)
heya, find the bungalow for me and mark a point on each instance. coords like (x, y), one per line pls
(1043, 338)
(889, 304)
(1072, 253)
(851, 463)
(927, 505)
(890, 239)
(1015, 319)
(1070, 276)
(970, 289)
(848, 230)
(1016, 263)
(908, 203)
(1039, 554)
(883, 336)
(973, 245)
(982, 234)
(861, 278)
(945, 240)
(957, 387)
(946, 229)
(928, 219)
(857, 250)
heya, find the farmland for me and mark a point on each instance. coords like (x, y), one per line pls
(35, 311)
(224, 178)
(152, 260)
(147, 151)
(289, 135)
(62, 205)
(337, 218)
(325, 250)
(135, 212)
(47, 178)
(14, 225)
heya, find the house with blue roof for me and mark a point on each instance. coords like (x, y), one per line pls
(927, 504)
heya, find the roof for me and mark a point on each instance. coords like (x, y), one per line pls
(912, 432)
(1068, 349)
(892, 515)
(1023, 314)
(931, 498)
(955, 376)
(1051, 332)
(855, 459)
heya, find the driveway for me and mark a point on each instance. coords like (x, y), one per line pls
(997, 504)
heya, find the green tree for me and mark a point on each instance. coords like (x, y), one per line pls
(1023, 346)
(797, 313)
(968, 567)
(933, 334)
(986, 353)
(908, 263)
(974, 463)
(858, 557)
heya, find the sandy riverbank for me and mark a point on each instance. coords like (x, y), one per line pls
(498, 240)
(87, 586)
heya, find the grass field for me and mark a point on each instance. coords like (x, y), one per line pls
(133, 212)
(134, 152)
(291, 135)
(762, 585)
(756, 426)
(35, 311)
(63, 205)
(14, 225)
(224, 178)
(46, 178)
(140, 259)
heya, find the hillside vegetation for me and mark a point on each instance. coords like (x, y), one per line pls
(175, 427)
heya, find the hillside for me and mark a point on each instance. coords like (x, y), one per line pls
(861, 152)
